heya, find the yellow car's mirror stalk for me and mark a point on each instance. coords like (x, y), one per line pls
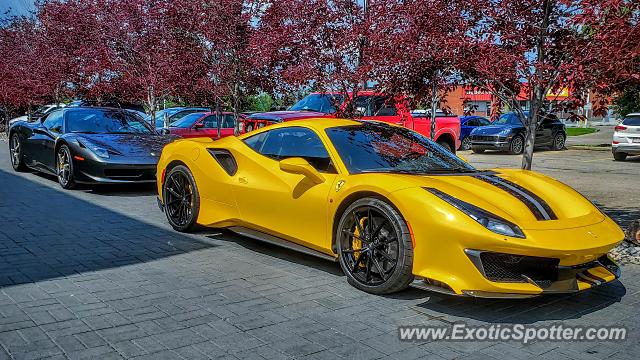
(297, 165)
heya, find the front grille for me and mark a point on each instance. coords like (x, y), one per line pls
(130, 174)
(484, 138)
(501, 267)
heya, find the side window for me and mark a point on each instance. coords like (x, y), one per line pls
(210, 122)
(383, 106)
(53, 122)
(228, 122)
(472, 122)
(483, 122)
(285, 143)
(375, 106)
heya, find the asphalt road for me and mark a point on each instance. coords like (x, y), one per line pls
(97, 273)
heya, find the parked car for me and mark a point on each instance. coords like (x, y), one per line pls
(40, 112)
(204, 124)
(507, 133)
(88, 145)
(175, 114)
(393, 208)
(468, 123)
(626, 138)
(136, 108)
(369, 105)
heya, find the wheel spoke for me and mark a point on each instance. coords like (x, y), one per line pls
(368, 268)
(385, 255)
(357, 264)
(377, 231)
(173, 192)
(358, 226)
(353, 235)
(376, 263)
(369, 225)
(350, 251)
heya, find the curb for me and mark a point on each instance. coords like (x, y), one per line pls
(601, 147)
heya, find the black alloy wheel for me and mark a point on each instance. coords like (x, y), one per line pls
(558, 142)
(374, 247)
(181, 199)
(516, 147)
(15, 150)
(466, 144)
(64, 168)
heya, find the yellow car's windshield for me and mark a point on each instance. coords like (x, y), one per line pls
(373, 147)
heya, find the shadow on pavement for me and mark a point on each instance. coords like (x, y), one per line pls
(277, 252)
(45, 233)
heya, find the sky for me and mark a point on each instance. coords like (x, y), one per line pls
(16, 7)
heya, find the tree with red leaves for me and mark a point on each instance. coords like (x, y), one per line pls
(415, 47)
(221, 31)
(311, 44)
(534, 47)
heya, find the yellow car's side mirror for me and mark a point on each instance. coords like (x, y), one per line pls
(301, 166)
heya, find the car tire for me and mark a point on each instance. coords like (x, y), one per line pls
(477, 151)
(516, 146)
(181, 199)
(619, 156)
(558, 142)
(445, 145)
(386, 264)
(64, 168)
(466, 144)
(15, 151)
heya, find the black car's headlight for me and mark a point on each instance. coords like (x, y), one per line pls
(490, 221)
(99, 151)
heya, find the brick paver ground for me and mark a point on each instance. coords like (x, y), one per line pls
(97, 274)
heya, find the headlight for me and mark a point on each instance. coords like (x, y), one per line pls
(99, 151)
(490, 221)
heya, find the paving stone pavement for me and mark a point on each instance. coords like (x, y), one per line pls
(97, 274)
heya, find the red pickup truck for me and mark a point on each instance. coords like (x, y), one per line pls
(369, 105)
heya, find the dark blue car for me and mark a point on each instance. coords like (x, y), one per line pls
(468, 123)
(507, 133)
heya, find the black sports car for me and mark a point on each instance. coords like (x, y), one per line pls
(88, 145)
(507, 134)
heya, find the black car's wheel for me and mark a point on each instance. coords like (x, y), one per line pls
(15, 150)
(619, 156)
(374, 247)
(466, 144)
(558, 142)
(478, 151)
(64, 168)
(516, 146)
(181, 199)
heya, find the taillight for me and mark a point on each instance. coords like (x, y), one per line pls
(620, 128)
(615, 142)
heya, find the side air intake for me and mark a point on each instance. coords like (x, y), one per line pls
(225, 159)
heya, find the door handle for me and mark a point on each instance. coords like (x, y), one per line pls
(243, 180)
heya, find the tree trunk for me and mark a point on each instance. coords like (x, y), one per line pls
(434, 105)
(537, 98)
(151, 102)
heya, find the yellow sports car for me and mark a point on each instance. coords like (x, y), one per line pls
(394, 208)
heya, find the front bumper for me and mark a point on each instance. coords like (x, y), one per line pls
(489, 143)
(116, 171)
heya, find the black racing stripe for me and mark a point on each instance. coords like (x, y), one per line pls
(540, 209)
